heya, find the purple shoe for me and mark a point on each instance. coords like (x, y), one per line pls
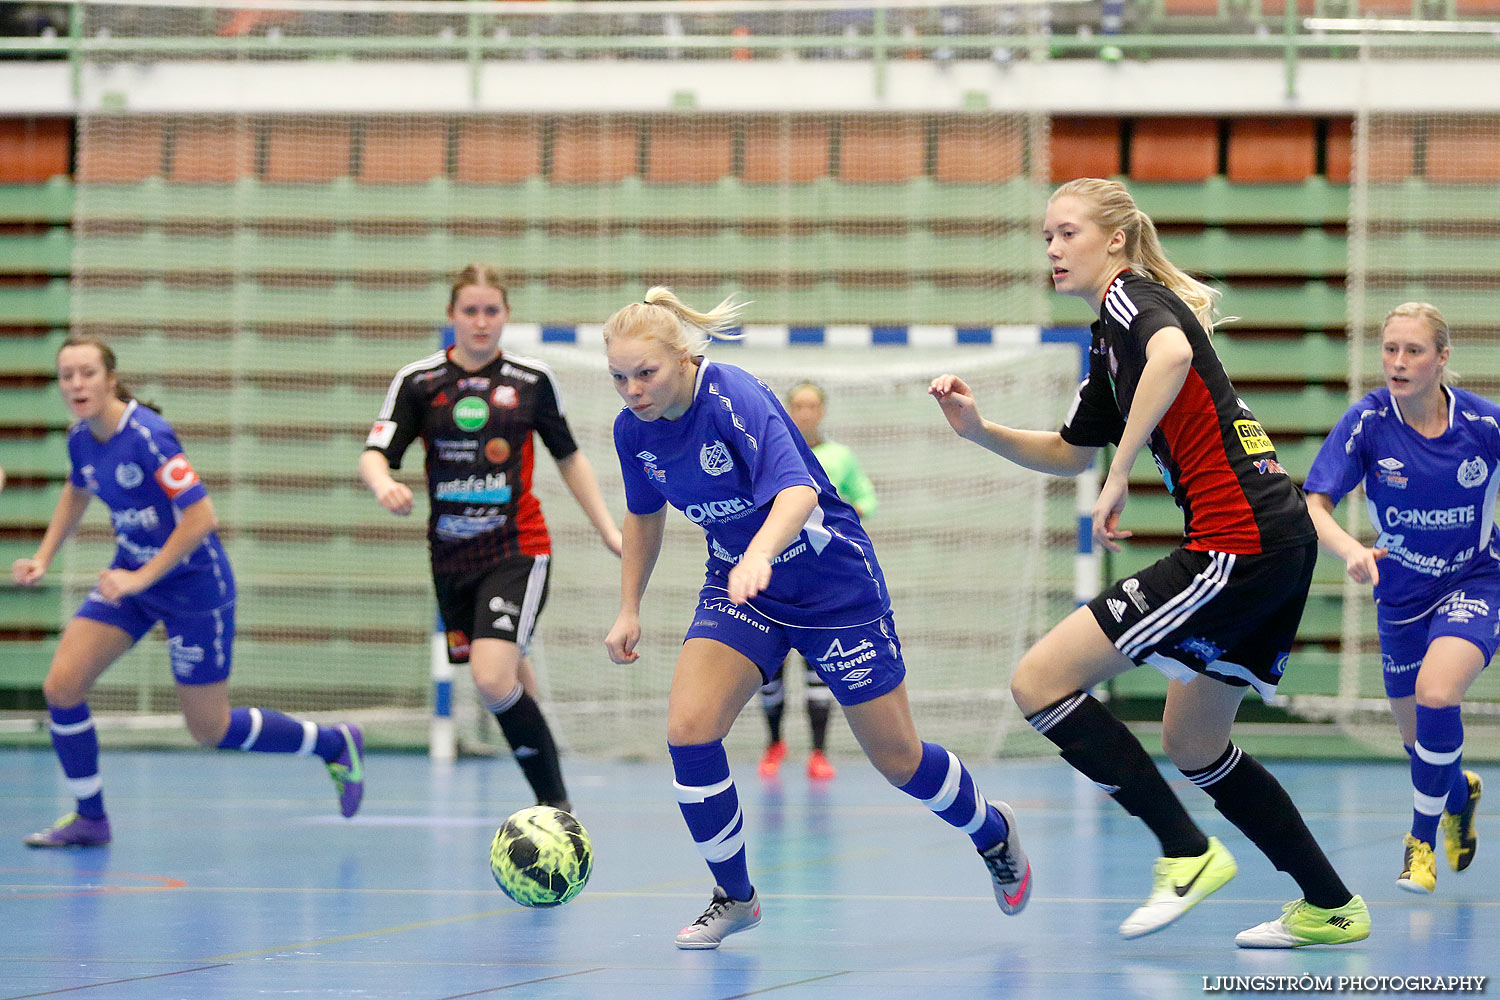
(72, 831)
(348, 769)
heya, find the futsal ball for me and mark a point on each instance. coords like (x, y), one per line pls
(541, 856)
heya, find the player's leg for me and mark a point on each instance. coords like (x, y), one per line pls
(773, 702)
(712, 684)
(819, 706)
(1440, 787)
(85, 651)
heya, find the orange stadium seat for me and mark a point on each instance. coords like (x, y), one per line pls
(1191, 8)
(33, 149)
(499, 150)
(402, 151)
(1277, 8)
(1272, 150)
(689, 152)
(120, 150)
(311, 153)
(1477, 8)
(1085, 147)
(1469, 154)
(786, 151)
(1174, 149)
(1386, 7)
(882, 149)
(1339, 152)
(1392, 152)
(586, 152)
(214, 151)
(977, 152)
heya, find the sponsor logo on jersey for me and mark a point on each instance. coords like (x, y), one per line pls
(1279, 667)
(478, 383)
(717, 510)
(715, 458)
(380, 434)
(1459, 608)
(648, 461)
(1269, 466)
(725, 606)
(134, 517)
(176, 476)
(504, 622)
(500, 605)
(489, 488)
(456, 527)
(855, 679)
(184, 657)
(1471, 473)
(456, 450)
(1442, 519)
(1390, 666)
(1132, 589)
(129, 475)
(1116, 608)
(471, 413)
(458, 644)
(511, 371)
(89, 478)
(1393, 479)
(505, 397)
(836, 657)
(1253, 437)
(1204, 650)
(496, 450)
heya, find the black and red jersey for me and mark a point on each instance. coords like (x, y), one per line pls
(1212, 453)
(476, 427)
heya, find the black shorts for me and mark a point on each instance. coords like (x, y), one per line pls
(1232, 617)
(500, 603)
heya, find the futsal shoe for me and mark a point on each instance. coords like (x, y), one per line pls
(1178, 885)
(72, 830)
(723, 917)
(348, 769)
(1419, 867)
(770, 761)
(1302, 924)
(1010, 869)
(819, 768)
(1459, 838)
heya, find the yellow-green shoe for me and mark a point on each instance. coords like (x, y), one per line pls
(1459, 838)
(1302, 924)
(1418, 866)
(1178, 885)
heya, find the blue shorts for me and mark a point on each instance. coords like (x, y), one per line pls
(859, 663)
(1471, 612)
(200, 627)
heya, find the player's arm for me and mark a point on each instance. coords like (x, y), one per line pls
(1359, 559)
(578, 475)
(65, 520)
(1041, 451)
(394, 495)
(197, 522)
(1169, 358)
(641, 544)
(788, 513)
(860, 491)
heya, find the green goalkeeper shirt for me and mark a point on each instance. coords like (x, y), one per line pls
(846, 475)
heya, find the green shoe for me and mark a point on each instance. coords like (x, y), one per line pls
(1459, 838)
(1302, 924)
(1178, 885)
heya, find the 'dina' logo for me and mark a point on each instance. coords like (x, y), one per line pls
(471, 413)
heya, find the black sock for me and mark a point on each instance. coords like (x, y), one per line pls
(531, 742)
(773, 700)
(1252, 799)
(817, 714)
(1101, 749)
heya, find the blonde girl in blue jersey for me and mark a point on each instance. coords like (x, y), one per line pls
(789, 566)
(1428, 456)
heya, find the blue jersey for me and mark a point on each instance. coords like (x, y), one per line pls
(722, 463)
(144, 478)
(1432, 500)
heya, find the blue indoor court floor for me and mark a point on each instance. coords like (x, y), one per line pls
(232, 876)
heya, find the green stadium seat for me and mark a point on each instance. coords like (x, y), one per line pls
(45, 456)
(31, 407)
(49, 252)
(31, 356)
(49, 202)
(41, 304)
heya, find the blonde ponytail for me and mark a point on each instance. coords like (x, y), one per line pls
(664, 317)
(1112, 208)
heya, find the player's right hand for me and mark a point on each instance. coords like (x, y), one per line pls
(1361, 566)
(957, 401)
(27, 572)
(395, 497)
(622, 639)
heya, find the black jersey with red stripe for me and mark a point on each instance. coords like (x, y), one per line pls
(476, 427)
(1213, 454)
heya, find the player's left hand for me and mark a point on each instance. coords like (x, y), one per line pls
(1107, 511)
(117, 583)
(750, 576)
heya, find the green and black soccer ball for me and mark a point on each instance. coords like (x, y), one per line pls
(541, 856)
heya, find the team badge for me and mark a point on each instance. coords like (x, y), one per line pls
(129, 475)
(715, 459)
(505, 397)
(1472, 472)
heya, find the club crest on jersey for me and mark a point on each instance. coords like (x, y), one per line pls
(715, 459)
(1471, 473)
(505, 397)
(129, 475)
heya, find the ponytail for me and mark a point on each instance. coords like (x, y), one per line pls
(666, 318)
